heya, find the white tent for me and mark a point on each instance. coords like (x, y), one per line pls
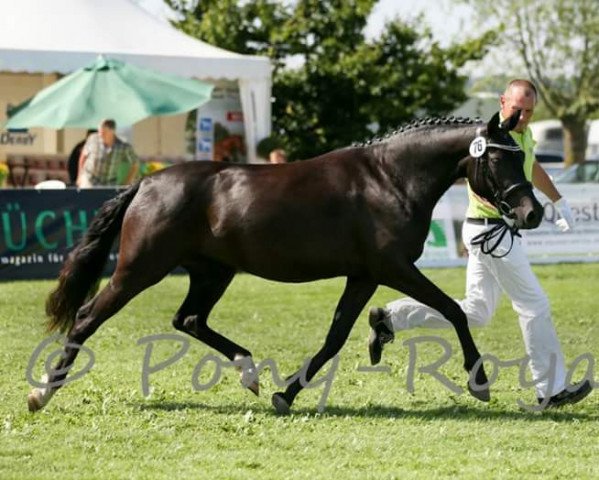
(61, 36)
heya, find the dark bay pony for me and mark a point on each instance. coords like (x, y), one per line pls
(361, 212)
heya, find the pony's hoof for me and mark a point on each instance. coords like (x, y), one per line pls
(35, 401)
(482, 394)
(248, 373)
(280, 404)
(253, 387)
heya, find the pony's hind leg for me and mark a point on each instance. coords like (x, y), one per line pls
(113, 297)
(208, 280)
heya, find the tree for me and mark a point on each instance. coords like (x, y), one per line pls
(339, 85)
(558, 42)
(247, 27)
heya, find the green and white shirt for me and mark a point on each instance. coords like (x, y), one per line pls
(108, 165)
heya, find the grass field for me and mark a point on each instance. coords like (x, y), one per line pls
(101, 426)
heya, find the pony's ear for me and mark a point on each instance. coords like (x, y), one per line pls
(493, 125)
(510, 123)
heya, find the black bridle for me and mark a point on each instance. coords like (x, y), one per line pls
(489, 240)
(482, 171)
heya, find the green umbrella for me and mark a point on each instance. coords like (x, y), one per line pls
(109, 89)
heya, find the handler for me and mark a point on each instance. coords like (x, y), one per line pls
(504, 268)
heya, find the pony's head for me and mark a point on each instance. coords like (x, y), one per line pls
(496, 173)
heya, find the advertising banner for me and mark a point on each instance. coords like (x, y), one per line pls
(219, 127)
(440, 246)
(546, 244)
(39, 227)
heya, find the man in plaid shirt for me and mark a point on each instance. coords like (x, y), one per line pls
(106, 159)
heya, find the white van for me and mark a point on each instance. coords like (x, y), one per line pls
(549, 135)
(549, 149)
(593, 140)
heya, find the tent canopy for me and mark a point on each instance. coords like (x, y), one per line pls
(64, 35)
(109, 89)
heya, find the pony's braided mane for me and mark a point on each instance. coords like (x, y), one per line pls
(418, 124)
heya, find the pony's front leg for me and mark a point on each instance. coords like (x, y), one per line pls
(412, 282)
(356, 294)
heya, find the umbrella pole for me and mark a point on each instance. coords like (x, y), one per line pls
(159, 135)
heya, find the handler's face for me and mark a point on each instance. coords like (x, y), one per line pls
(517, 99)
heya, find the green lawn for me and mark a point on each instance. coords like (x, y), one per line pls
(101, 426)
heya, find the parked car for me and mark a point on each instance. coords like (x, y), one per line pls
(585, 172)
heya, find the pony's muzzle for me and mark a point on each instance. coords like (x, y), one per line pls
(529, 213)
(533, 218)
(520, 204)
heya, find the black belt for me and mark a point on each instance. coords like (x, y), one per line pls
(485, 221)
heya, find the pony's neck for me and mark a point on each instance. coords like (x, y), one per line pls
(429, 161)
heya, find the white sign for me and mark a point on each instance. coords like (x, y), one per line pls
(440, 247)
(546, 244)
(220, 134)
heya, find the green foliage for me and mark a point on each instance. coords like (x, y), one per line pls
(338, 85)
(101, 426)
(242, 27)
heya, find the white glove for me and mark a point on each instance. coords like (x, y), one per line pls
(566, 221)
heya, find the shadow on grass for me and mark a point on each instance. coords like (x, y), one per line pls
(455, 412)
(458, 412)
(232, 409)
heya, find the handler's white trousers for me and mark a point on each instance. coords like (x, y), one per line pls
(486, 277)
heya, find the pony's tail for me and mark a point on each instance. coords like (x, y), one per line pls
(80, 274)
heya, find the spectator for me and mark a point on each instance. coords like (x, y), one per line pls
(278, 155)
(74, 157)
(106, 159)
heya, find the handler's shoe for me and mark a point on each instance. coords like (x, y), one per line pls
(381, 332)
(572, 394)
